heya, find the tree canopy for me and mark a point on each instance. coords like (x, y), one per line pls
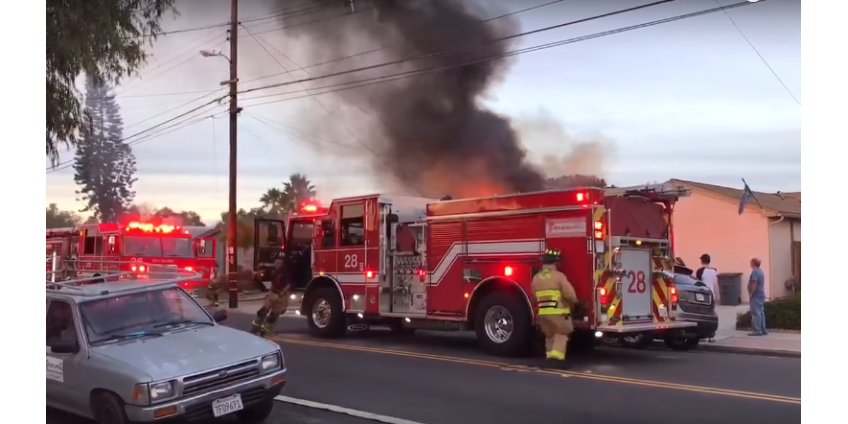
(103, 39)
(57, 218)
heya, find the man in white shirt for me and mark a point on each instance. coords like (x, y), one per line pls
(708, 275)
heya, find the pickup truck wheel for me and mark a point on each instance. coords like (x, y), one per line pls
(326, 317)
(503, 327)
(257, 413)
(107, 408)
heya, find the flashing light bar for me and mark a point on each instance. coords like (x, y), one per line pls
(159, 229)
(309, 208)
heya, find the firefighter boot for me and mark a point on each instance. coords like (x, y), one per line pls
(265, 331)
(259, 321)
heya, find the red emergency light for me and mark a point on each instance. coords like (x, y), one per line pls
(147, 227)
(508, 271)
(309, 208)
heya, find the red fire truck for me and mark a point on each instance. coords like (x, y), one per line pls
(467, 264)
(91, 249)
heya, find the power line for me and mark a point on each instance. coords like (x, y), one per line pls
(280, 13)
(762, 59)
(304, 68)
(430, 55)
(403, 75)
(66, 163)
(322, 106)
(139, 96)
(191, 52)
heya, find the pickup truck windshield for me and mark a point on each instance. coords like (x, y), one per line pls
(140, 313)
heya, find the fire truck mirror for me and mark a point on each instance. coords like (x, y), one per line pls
(392, 218)
(111, 244)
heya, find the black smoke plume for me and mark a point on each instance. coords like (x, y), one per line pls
(429, 131)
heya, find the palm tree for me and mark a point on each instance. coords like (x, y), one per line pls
(274, 201)
(296, 190)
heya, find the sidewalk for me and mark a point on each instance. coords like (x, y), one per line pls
(730, 340)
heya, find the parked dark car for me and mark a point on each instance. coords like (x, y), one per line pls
(695, 303)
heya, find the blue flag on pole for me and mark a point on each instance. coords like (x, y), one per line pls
(747, 196)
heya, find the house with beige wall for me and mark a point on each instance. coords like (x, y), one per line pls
(708, 221)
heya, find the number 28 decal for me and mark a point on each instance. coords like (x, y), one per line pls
(637, 282)
(351, 261)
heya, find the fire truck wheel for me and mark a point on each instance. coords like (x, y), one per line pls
(326, 318)
(502, 324)
(398, 327)
(637, 341)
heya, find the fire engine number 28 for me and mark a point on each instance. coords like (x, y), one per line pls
(637, 282)
(351, 261)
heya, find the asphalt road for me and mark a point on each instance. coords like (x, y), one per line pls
(441, 378)
(283, 414)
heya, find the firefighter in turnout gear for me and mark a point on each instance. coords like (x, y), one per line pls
(275, 302)
(555, 298)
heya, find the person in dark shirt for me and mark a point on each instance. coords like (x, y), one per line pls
(276, 301)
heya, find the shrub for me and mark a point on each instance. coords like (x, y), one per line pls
(783, 314)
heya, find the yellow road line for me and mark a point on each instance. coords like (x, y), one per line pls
(522, 368)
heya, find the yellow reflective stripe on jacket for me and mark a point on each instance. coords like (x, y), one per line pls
(547, 302)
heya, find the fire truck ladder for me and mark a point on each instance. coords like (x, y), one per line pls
(155, 276)
(664, 191)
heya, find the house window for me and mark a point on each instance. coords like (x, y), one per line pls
(353, 225)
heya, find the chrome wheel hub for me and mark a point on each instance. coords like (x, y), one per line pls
(499, 324)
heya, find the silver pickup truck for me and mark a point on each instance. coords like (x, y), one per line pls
(121, 351)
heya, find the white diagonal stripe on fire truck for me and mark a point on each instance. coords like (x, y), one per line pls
(485, 248)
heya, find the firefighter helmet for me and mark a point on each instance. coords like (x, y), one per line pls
(551, 256)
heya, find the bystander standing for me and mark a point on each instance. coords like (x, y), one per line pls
(757, 296)
(709, 276)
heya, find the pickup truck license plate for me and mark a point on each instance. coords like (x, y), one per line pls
(227, 405)
(699, 297)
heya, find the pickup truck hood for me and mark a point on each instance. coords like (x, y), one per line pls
(188, 351)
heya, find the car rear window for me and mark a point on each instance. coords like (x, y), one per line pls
(686, 280)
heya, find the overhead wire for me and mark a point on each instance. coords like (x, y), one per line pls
(332, 116)
(374, 50)
(331, 88)
(762, 59)
(127, 139)
(458, 49)
(188, 54)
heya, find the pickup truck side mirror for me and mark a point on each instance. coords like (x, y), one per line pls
(220, 316)
(64, 346)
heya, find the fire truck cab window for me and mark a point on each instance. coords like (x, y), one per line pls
(176, 247)
(328, 234)
(60, 323)
(93, 244)
(352, 226)
(205, 248)
(142, 246)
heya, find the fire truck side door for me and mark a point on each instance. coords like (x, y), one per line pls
(351, 254)
(268, 241)
(324, 246)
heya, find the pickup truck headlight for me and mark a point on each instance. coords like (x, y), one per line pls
(161, 391)
(147, 393)
(270, 362)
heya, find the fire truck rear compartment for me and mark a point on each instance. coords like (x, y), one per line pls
(636, 288)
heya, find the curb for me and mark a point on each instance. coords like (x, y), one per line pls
(778, 353)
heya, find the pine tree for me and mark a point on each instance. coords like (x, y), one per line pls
(104, 164)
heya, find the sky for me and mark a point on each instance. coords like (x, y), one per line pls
(690, 99)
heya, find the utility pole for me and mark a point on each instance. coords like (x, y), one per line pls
(232, 225)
